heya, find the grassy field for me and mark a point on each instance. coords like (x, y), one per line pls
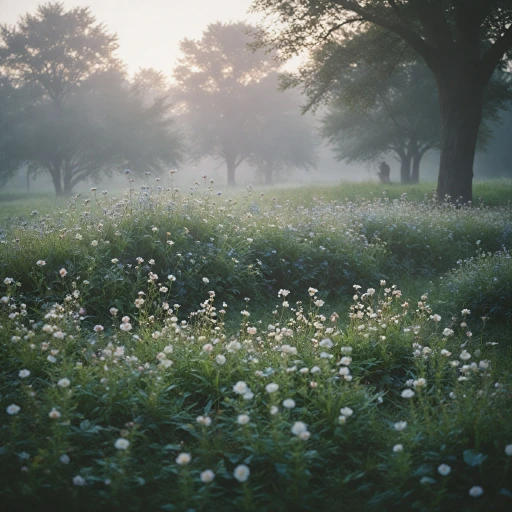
(328, 348)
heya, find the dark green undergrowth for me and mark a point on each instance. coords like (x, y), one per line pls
(329, 342)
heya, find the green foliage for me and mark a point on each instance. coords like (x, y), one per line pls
(482, 284)
(119, 369)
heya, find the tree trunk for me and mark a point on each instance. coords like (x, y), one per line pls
(28, 180)
(415, 173)
(230, 163)
(67, 181)
(461, 102)
(405, 169)
(55, 174)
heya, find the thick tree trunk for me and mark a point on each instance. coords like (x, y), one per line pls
(415, 172)
(55, 174)
(461, 101)
(405, 169)
(67, 181)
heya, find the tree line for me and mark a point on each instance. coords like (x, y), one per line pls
(385, 78)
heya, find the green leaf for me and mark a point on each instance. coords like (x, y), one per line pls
(472, 458)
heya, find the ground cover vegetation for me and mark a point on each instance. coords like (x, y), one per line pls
(175, 349)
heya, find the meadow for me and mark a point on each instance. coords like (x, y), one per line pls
(321, 348)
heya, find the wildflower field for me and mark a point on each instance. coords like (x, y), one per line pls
(338, 348)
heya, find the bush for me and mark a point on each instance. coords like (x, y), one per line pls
(482, 284)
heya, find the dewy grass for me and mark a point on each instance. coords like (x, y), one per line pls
(164, 351)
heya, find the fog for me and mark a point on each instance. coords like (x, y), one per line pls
(217, 106)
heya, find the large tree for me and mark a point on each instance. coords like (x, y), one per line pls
(85, 119)
(461, 41)
(217, 81)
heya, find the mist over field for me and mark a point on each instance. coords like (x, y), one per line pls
(255, 255)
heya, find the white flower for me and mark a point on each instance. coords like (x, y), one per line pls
(408, 393)
(445, 353)
(63, 272)
(508, 450)
(465, 312)
(299, 427)
(326, 343)
(183, 459)
(447, 332)
(400, 425)
(94, 243)
(272, 387)
(79, 480)
(476, 491)
(40, 263)
(54, 414)
(274, 410)
(436, 318)
(243, 419)
(206, 280)
(13, 409)
(240, 387)
(241, 473)
(444, 469)
(207, 476)
(64, 458)
(346, 360)
(204, 420)
(398, 448)
(220, 359)
(420, 383)
(465, 355)
(98, 328)
(346, 411)
(289, 403)
(23, 374)
(125, 326)
(208, 348)
(64, 383)
(252, 330)
(122, 443)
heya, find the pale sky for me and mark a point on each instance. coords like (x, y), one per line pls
(148, 31)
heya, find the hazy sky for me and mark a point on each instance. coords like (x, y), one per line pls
(148, 30)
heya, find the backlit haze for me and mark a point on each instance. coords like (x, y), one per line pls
(149, 31)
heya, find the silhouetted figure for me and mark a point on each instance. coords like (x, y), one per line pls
(384, 171)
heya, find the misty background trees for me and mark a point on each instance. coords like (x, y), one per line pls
(377, 76)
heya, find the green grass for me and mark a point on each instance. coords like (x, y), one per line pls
(261, 292)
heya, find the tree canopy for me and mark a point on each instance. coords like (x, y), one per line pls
(231, 106)
(84, 118)
(461, 41)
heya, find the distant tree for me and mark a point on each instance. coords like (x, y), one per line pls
(283, 138)
(12, 102)
(461, 41)
(401, 118)
(217, 81)
(86, 119)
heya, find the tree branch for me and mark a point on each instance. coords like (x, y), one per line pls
(424, 49)
(495, 53)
